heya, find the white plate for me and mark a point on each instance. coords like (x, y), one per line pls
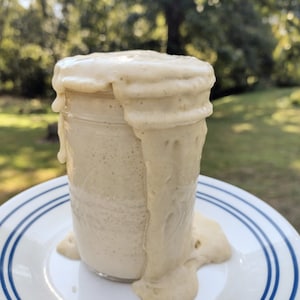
(264, 265)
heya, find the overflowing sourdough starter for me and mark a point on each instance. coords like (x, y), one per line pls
(132, 127)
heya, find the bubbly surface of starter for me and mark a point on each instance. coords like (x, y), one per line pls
(164, 101)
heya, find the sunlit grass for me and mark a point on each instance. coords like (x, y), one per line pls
(295, 164)
(26, 158)
(253, 142)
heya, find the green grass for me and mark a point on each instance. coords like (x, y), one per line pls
(26, 158)
(253, 142)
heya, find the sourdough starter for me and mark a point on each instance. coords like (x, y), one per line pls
(132, 127)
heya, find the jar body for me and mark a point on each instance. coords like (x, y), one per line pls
(107, 185)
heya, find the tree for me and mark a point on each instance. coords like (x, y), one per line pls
(284, 17)
(9, 47)
(243, 39)
(175, 14)
(231, 35)
(234, 38)
(25, 49)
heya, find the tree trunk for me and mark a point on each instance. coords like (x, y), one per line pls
(174, 18)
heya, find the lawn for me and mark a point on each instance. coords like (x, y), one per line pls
(26, 157)
(253, 142)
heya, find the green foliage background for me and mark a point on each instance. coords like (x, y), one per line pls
(249, 42)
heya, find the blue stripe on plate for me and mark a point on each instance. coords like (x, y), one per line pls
(240, 215)
(279, 230)
(14, 232)
(13, 249)
(29, 200)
